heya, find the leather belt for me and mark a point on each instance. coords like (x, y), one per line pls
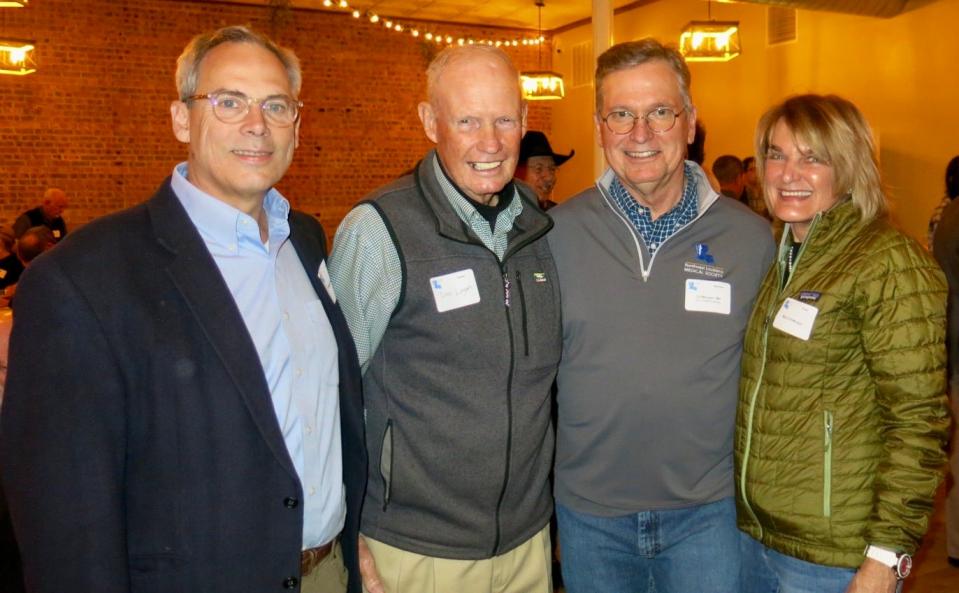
(311, 558)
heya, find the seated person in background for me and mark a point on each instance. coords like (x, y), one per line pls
(33, 242)
(47, 214)
(728, 170)
(537, 166)
(10, 266)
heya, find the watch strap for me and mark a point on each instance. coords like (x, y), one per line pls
(887, 557)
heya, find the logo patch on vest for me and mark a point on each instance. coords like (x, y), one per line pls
(809, 296)
(539, 277)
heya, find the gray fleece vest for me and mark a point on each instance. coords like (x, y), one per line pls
(458, 402)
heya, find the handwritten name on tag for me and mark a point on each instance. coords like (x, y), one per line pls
(796, 318)
(455, 290)
(708, 296)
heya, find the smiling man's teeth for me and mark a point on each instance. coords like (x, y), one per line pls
(251, 152)
(486, 166)
(641, 154)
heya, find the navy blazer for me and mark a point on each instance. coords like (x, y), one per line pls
(138, 443)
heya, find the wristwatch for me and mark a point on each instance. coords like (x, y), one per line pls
(899, 562)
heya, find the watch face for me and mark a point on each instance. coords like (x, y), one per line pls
(904, 566)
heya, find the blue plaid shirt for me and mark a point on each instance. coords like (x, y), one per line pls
(654, 232)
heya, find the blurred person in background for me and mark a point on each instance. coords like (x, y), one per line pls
(538, 164)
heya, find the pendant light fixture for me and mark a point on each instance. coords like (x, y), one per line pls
(710, 41)
(541, 85)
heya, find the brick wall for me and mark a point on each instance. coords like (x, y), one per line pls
(95, 117)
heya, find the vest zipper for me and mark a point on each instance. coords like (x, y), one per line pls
(827, 465)
(522, 303)
(509, 407)
(749, 425)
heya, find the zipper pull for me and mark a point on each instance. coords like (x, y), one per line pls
(828, 429)
(506, 288)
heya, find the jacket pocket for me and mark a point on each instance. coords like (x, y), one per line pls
(386, 463)
(827, 464)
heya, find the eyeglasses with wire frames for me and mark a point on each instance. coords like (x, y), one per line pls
(231, 107)
(659, 120)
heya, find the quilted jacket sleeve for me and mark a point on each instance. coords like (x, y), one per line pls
(904, 322)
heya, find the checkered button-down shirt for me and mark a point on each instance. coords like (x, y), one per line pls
(654, 232)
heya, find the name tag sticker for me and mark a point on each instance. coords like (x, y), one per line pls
(324, 275)
(708, 296)
(455, 291)
(796, 318)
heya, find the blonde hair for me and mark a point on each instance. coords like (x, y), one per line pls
(836, 132)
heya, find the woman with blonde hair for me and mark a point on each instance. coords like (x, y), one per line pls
(842, 413)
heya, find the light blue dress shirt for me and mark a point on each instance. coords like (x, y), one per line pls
(294, 341)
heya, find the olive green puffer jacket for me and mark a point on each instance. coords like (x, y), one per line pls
(839, 439)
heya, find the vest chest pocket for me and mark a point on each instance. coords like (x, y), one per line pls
(535, 312)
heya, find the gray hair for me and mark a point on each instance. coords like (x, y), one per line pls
(188, 64)
(454, 53)
(633, 53)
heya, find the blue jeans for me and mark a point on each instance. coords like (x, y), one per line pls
(767, 571)
(691, 550)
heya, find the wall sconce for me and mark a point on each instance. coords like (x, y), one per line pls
(710, 41)
(16, 57)
(13, 3)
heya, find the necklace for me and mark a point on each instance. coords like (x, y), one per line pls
(790, 256)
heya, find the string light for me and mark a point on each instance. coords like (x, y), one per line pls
(436, 36)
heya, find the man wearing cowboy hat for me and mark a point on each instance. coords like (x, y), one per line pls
(537, 166)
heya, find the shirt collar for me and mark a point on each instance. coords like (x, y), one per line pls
(464, 206)
(627, 202)
(222, 223)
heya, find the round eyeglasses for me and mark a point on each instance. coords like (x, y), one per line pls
(659, 120)
(231, 107)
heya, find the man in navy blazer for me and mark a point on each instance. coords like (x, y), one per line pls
(183, 409)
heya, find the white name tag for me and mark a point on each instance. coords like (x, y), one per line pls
(454, 291)
(796, 318)
(708, 296)
(324, 275)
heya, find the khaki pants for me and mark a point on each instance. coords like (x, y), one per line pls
(329, 576)
(525, 569)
